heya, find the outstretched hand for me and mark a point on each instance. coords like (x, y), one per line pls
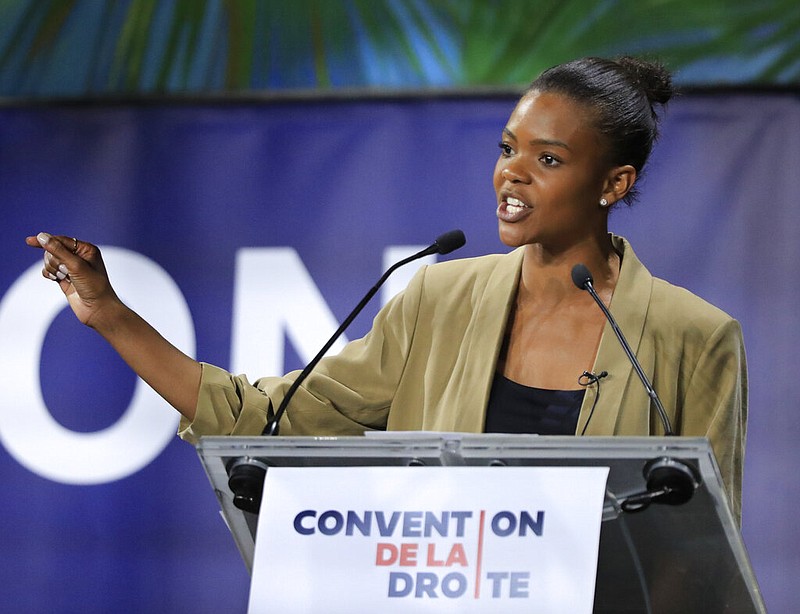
(78, 268)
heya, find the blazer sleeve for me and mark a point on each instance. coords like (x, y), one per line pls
(346, 394)
(716, 405)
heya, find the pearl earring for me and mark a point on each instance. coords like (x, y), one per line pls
(603, 202)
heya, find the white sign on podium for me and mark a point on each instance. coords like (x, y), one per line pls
(428, 539)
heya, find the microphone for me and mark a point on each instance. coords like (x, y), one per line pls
(668, 480)
(444, 244)
(582, 278)
(246, 475)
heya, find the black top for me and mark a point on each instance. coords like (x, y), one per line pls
(514, 408)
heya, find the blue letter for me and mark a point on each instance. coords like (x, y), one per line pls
(519, 584)
(364, 526)
(459, 590)
(299, 518)
(411, 524)
(338, 521)
(460, 517)
(426, 584)
(512, 524)
(537, 525)
(394, 578)
(497, 578)
(431, 522)
(386, 530)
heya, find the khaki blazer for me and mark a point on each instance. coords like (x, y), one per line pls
(428, 363)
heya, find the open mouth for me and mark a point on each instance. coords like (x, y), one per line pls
(512, 209)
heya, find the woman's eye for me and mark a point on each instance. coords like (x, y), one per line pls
(548, 160)
(505, 148)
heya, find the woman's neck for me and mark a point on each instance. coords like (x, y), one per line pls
(546, 277)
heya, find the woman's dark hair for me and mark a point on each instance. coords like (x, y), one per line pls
(623, 95)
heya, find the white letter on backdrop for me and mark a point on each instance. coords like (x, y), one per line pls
(273, 295)
(28, 430)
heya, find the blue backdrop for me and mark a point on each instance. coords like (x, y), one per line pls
(180, 196)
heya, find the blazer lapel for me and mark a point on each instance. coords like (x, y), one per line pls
(481, 347)
(629, 307)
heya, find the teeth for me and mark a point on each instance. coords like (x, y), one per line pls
(514, 205)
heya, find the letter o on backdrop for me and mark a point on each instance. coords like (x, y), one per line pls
(27, 428)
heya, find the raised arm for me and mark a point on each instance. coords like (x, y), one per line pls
(79, 270)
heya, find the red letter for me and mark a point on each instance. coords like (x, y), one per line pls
(386, 554)
(432, 562)
(457, 556)
(408, 555)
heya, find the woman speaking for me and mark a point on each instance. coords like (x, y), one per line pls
(499, 343)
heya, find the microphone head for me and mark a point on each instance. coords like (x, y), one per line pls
(450, 241)
(581, 276)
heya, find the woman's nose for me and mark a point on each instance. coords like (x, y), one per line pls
(513, 174)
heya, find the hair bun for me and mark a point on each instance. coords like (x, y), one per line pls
(650, 77)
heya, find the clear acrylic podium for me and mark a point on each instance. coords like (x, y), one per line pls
(665, 558)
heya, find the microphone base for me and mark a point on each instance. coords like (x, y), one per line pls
(669, 481)
(246, 480)
(676, 476)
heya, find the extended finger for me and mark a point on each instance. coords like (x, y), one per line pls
(33, 242)
(61, 245)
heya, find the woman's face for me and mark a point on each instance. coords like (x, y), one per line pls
(551, 174)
